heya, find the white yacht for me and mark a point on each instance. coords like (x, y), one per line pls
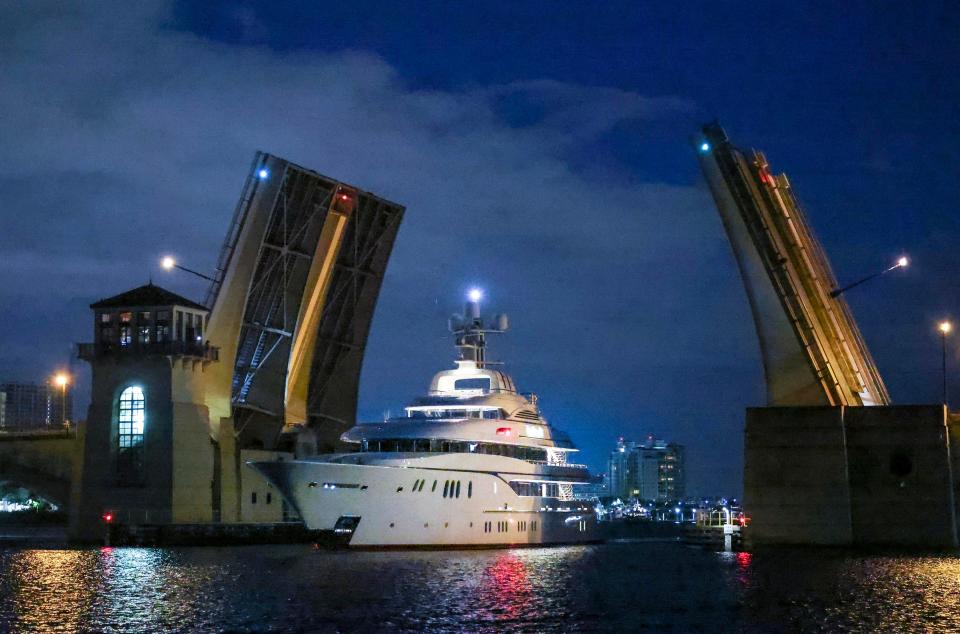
(472, 463)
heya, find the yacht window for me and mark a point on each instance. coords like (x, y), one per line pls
(481, 383)
(470, 489)
(423, 445)
(446, 487)
(434, 487)
(491, 414)
(458, 488)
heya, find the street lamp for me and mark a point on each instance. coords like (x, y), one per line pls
(901, 263)
(62, 380)
(944, 327)
(168, 264)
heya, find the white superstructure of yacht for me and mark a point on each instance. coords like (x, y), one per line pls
(472, 463)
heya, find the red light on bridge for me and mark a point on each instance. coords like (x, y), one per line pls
(344, 197)
(108, 517)
(503, 431)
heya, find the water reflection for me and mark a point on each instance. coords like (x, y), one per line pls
(832, 590)
(506, 588)
(614, 587)
(48, 590)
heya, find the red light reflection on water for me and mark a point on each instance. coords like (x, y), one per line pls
(744, 573)
(506, 588)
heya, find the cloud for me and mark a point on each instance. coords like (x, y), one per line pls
(126, 138)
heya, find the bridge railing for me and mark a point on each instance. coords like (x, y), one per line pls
(199, 350)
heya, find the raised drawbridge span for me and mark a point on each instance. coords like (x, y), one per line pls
(293, 298)
(811, 347)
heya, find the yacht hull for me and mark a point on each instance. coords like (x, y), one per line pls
(401, 506)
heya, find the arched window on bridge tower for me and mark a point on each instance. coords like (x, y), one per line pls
(131, 418)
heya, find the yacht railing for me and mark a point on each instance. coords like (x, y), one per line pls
(553, 464)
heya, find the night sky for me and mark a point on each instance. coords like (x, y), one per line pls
(542, 151)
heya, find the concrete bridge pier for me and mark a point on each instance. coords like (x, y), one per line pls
(852, 476)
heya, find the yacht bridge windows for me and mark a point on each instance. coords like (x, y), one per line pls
(440, 413)
(435, 445)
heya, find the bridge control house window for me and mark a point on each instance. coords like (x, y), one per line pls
(131, 418)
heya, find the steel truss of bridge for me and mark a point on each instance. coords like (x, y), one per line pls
(293, 298)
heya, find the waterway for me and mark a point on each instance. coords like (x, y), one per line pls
(659, 586)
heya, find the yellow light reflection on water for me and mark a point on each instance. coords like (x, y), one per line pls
(54, 590)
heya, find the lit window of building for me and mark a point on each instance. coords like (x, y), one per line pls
(131, 419)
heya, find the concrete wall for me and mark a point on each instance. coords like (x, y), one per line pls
(193, 450)
(795, 480)
(192, 487)
(901, 480)
(854, 475)
(41, 461)
(269, 502)
(51, 454)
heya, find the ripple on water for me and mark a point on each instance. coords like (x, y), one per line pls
(618, 586)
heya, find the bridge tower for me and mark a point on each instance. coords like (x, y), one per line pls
(147, 454)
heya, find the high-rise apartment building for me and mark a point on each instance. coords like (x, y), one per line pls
(32, 406)
(649, 470)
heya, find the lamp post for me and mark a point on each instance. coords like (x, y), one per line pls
(168, 263)
(62, 380)
(901, 263)
(945, 327)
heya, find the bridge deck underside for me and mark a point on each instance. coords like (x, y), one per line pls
(278, 287)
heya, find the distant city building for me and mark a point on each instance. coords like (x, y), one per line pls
(32, 406)
(648, 470)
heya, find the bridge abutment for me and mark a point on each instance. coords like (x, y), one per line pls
(852, 476)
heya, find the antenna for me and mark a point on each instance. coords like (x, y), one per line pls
(470, 332)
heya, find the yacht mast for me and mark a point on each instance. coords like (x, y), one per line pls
(470, 332)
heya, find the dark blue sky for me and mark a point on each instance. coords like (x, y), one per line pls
(542, 151)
